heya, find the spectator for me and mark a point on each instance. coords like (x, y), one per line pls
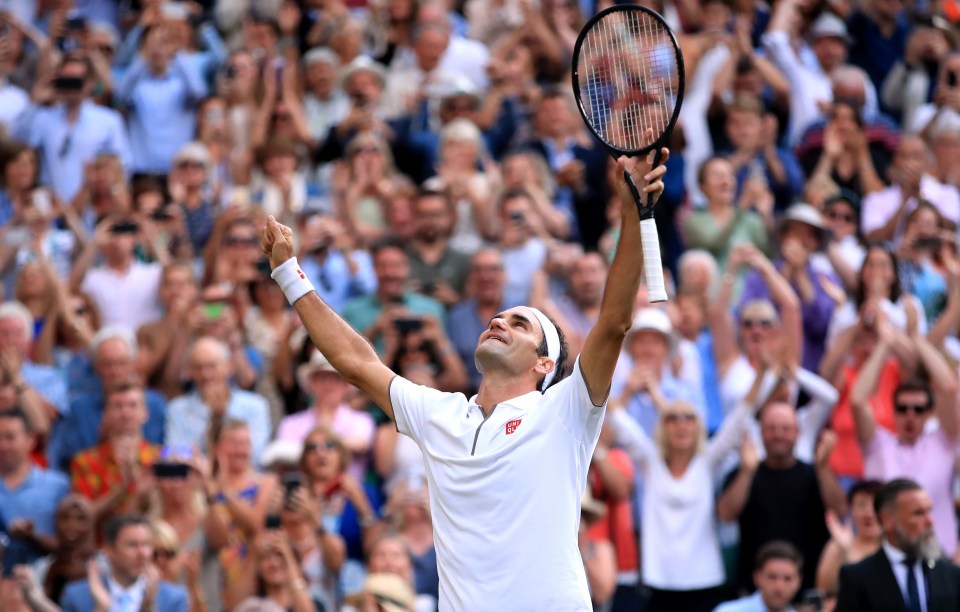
(160, 92)
(115, 474)
(776, 573)
(942, 112)
(72, 132)
(755, 155)
(29, 495)
(841, 216)
(789, 494)
(237, 493)
(909, 556)
(40, 389)
(19, 179)
(324, 103)
(911, 450)
(114, 352)
(522, 243)
(723, 225)
(75, 528)
(389, 556)
(157, 342)
(194, 419)
(324, 384)
(599, 558)
(680, 553)
(850, 541)
(328, 258)
(408, 511)
(132, 579)
(190, 197)
(579, 307)
(884, 212)
(284, 190)
(124, 289)
(765, 330)
(879, 38)
(381, 590)
(437, 270)
(392, 300)
(803, 264)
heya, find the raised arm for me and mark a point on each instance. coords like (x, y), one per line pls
(944, 383)
(864, 387)
(348, 351)
(733, 426)
(602, 346)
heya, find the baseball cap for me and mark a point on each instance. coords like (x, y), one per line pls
(652, 319)
(318, 363)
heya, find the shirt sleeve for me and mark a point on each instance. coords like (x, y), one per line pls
(411, 404)
(576, 411)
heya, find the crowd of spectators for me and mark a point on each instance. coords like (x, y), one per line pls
(170, 439)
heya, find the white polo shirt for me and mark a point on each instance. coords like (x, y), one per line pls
(505, 492)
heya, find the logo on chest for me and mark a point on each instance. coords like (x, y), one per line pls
(512, 426)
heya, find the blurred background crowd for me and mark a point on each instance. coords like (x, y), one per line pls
(171, 440)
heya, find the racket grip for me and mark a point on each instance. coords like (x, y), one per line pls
(652, 268)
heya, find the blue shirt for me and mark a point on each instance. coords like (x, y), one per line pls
(49, 383)
(753, 603)
(201, 64)
(188, 419)
(333, 281)
(80, 429)
(64, 149)
(161, 112)
(872, 50)
(36, 499)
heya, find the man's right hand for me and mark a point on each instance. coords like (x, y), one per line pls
(276, 242)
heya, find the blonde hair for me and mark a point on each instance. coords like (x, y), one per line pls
(164, 535)
(682, 407)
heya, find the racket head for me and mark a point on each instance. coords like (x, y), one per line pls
(628, 75)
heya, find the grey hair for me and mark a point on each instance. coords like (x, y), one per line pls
(698, 256)
(846, 73)
(462, 130)
(224, 350)
(16, 310)
(323, 55)
(103, 27)
(115, 332)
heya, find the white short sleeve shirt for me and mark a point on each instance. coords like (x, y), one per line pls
(505, 492)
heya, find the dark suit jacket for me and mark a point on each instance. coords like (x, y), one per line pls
(170, 598)
(871, 585)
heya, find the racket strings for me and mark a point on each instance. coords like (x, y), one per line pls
(629, 78)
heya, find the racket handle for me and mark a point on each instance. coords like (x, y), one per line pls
(652, 268)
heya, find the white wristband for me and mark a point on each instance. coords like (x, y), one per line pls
(292, 280)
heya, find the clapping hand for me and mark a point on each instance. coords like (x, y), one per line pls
(840, 531)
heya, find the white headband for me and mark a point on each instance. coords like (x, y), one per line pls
(553, 342)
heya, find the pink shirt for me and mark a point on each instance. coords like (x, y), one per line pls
(879, 206)
(356, 429)
(930, 462)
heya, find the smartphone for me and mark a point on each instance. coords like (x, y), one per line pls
(406, 326)
(125, 227)
(516, 217)
(271, 521)
(929, 243)
(951, 79)
(291, 482)
(41, 201)
(163, 471)
(214, 310)
(428, 288)
(76, 22)
(68, 83)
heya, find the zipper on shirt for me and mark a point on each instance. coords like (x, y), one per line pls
(476, 436)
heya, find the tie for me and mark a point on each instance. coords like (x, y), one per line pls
(913, 591)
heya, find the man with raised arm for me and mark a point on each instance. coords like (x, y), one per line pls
(507, 467)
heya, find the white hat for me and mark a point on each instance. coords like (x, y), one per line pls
(652, 319)
(363, 64)
(829, 25)
(282, 452)
(318, 363)
(808, 215)
(193, 151)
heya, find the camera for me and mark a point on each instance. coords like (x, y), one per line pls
(271, 522)
(164, 471)
(407, 326)
(124, 227)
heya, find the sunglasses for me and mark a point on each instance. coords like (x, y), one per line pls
(757, 323)
(250, 241)
(164, 554)
(190, 164)
(677, 417)
(311, 447)
(840, 217)
(366, 149)
(917, 409)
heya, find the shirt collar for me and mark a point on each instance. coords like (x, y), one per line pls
(895, 555)
(134, 590)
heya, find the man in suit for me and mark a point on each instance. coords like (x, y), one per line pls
(907, 574)
(130, 579)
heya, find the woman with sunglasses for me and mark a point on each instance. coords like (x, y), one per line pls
(925, 243)
(238, 493)
(272, 573)
(184, 524)
(768, 331)
(344, 505)
(841, 215)
(680, 551)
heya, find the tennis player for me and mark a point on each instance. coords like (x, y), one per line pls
(507, 467)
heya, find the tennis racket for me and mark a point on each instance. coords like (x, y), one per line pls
(628, 78)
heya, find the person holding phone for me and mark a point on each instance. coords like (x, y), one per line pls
(507, 468)
(921, 252)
